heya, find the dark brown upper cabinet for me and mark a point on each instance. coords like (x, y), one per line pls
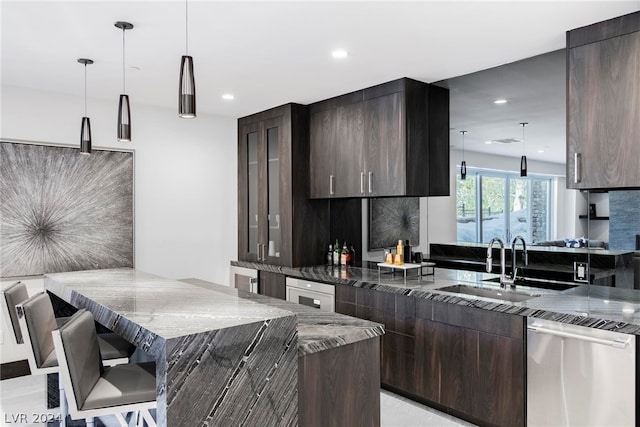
(603, 104)
(388, 140)
(277, 222)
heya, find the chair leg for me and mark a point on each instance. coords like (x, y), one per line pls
(121, 420)
(64, 410)
(148, 418)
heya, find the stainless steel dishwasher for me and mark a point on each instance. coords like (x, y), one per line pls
(578, 376)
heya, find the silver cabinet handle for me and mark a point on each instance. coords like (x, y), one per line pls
(577, 168)
(618, 343)
(331, 178)
(264, 251)
(258, 250)
(370, 182)
(361, 182)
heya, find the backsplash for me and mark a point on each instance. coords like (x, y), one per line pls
(624, 219)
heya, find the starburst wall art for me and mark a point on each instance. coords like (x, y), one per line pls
(62, 211)
(392, 219)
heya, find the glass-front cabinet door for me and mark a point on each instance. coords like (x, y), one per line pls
(249, 178)
(272, 131)
(260, 235)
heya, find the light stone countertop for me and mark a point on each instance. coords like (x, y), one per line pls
(317, 330)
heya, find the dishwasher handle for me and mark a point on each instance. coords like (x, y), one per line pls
(617, 343)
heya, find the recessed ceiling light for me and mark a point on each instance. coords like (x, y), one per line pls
(500, 101)
(339, 53)
(488, 142)
(227, 96)
(540, 151)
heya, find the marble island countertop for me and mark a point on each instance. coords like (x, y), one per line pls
(585, 305)
(317, 330)
(163, 307)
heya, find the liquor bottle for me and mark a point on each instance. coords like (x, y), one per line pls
(336, 253)
(330, 255)
(346, 256)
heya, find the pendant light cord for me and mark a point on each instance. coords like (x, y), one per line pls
(123, 67)
(186, 26)
(85, 89)
(523, 124)
(463, 132)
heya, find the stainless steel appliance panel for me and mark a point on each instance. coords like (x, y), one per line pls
(245, 279)
(578, 376)
(312, 294)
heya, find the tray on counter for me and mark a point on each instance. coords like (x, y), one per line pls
(420, 268)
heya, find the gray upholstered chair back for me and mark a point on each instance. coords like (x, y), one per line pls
(14, 295)
(40, 320)
(82, 353)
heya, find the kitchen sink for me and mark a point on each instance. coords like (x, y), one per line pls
(495, 293)
(538, 283)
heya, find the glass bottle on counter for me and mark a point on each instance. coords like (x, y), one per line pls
(346, 255)
(330, 255)
(352, 251)
(406, 251)
(336, 253)
(399, 258)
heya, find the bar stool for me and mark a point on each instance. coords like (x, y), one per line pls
(93, 390)
(37, 321)
(12, 296)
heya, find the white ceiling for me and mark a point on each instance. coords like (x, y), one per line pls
(269, 53)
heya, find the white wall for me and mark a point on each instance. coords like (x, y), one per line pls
(185, 175)
(438, 214)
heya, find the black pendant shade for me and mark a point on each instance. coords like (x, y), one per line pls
(124, 109)
(85, 136)
(463, 165)
(85, 127)
(124, 119)
(523, 159)
(187, 92)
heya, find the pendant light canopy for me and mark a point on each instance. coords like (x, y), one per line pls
(85, 129)
(124, 111)
(463, 165)
(523, 159)
(187, 87)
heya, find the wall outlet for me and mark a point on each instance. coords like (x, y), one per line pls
(581, 272)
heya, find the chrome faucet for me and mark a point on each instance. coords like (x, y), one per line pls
(490, 258)
(525, 261)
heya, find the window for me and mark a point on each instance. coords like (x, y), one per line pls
(500, 204)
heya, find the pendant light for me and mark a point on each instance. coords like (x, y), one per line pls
(523, 159)
(85, 129)
(124, 111)
(187, 88)
(463, 165)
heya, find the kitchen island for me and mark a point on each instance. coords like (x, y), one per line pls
(221, 359)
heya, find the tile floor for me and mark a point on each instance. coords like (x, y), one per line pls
(23, 403)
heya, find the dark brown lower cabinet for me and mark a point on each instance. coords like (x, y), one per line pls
(463, 360)
(272, 284)
(340, 386)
